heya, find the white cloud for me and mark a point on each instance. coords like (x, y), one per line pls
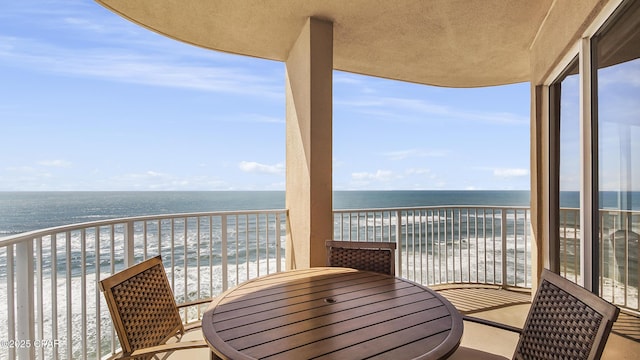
(380, 175)
(149, 68)
(87, 25)
(346, 78)
(154, 180)
(381, 179)
(510, 172)
(150, 174)
(254, 167)
(626, 74)
(55, 163)
(21, 169)
(396, 109)
(418, 171)
(154, 174)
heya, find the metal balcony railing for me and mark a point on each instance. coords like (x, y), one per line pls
(450, 244)
(48, 278)
(54, 310)
(619, 253)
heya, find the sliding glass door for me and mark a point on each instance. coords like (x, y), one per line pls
(617, 95)
(594, 147)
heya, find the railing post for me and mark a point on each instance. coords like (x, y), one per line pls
(399, 243)
(504, 247)
(129, 244)
(279, 242)
(24, 300)
(224, 251)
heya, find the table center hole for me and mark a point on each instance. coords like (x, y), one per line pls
(330, 300)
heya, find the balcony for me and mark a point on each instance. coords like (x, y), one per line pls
(479, 257)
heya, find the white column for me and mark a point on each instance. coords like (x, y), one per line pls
(309, 81)
(588, 268)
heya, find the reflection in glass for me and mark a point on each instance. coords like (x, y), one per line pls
(569, 173)
(618, 126)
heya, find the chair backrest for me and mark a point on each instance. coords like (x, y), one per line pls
(565, 321)
(369, 256)
(142, 305)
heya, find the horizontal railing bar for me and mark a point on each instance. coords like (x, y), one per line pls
(29, 235)
(432, 207)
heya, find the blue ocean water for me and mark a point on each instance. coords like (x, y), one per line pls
(26, 211)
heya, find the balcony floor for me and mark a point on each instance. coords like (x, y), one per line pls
(511, 307)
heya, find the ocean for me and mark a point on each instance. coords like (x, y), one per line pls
(26, 211)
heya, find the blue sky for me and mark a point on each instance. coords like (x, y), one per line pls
(90, 101)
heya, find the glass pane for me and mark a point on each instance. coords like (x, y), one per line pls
(618, 96)
(569, 222)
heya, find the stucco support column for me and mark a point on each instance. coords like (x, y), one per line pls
(541, 248)
(309, 81)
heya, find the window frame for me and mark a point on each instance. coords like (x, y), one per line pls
(585, 50)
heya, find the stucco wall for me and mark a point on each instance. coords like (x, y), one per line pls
(564, 26)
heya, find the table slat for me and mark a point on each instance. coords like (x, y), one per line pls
(352, 333)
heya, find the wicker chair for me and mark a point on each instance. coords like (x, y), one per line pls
(369, 256)
(565, 321)
(144, 311)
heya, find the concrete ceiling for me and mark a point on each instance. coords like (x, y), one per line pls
(456, 43)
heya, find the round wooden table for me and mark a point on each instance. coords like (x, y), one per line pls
(331, 313)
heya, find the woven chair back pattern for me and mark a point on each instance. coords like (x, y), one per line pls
(147, 309)
(378, 260)
(561, 326)
(565, 322)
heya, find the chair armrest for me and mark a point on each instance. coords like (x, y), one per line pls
(166, 348)
(492, 324)
(194, 302)
(196, 324)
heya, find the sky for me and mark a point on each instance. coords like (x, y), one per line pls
(92, 102)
